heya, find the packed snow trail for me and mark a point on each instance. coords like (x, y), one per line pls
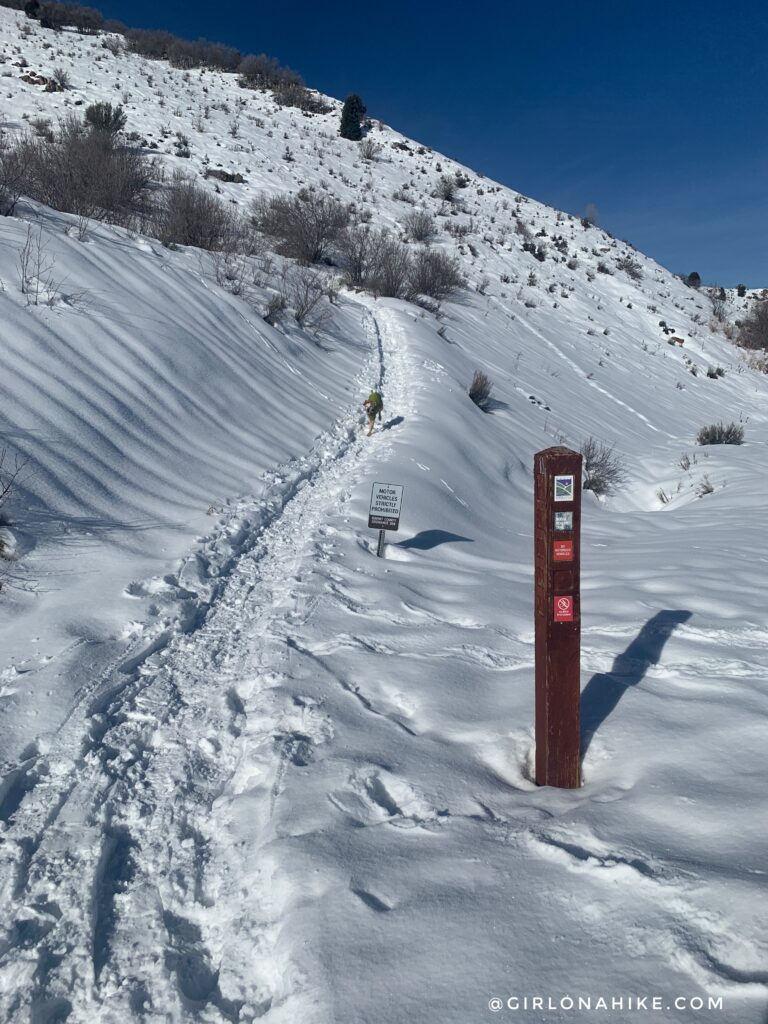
(111, 856)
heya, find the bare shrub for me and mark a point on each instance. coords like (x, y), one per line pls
(369, 150)
(704, 486)
(358, 249)
(753, 332)
(113, 44)
(446, 189)
(604, 471)
(14, 174)
(262, 72)
(36, 268)
(434, 274)
(292, 92)
(258, 71)
(721, 433)
(303, 227)
(53, 15)
(154, 44)
(276, 305)
(87, 173)
(188, 215)
(719, 306)
(758, 361)
(41, 126)
(222, 57)
(305, 292)
(233, 271)
(420, 226)
(480, 390)
(10, 474)
(389, 272)
(61, 78)
(630, 266)
(86, 20)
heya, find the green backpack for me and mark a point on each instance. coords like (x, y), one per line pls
(376, 404)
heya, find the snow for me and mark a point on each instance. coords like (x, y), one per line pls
(250, 771)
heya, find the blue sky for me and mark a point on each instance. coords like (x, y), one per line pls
(657, 113)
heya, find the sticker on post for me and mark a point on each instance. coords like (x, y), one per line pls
(564, 488)
(564, 521)
(562, 551)
(563, 608)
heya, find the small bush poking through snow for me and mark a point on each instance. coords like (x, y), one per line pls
(433, 274)
(369, 150)
(704, 487)
(630, 266)
(106, 118)
(480, 390)
(604, 472)
(720, 433)
(61, 78)
(419, 226)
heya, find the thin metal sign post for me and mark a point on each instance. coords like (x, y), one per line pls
(557, 543)
(384, 513)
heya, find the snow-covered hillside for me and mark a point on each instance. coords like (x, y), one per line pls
(250, 771)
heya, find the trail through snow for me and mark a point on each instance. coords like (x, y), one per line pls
(118, 829)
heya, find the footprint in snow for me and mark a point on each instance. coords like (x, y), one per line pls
(375, 795)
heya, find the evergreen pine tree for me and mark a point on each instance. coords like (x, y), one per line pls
(352, 113)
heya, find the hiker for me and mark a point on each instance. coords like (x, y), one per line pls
(373, 406)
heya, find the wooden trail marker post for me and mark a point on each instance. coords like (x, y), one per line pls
(557, 530)
(384, 513)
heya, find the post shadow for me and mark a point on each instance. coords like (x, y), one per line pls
(605, 689)
(428, 539)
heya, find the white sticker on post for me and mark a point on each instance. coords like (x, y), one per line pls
(564, 488)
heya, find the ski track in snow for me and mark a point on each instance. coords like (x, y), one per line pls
(114, 829)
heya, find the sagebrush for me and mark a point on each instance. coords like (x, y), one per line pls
(604, 471)
(721, 433)
(480, 390)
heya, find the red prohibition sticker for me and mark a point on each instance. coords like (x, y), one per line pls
(563, 608)
(562, 551)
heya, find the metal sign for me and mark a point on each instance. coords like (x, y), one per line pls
(386, 501)
(557, 482)
(562, 551)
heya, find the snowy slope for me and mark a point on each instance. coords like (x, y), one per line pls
(251, 771)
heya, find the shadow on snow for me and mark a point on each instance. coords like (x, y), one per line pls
(430, 539)
(604, 690)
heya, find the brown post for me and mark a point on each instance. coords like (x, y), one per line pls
(557, 531)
